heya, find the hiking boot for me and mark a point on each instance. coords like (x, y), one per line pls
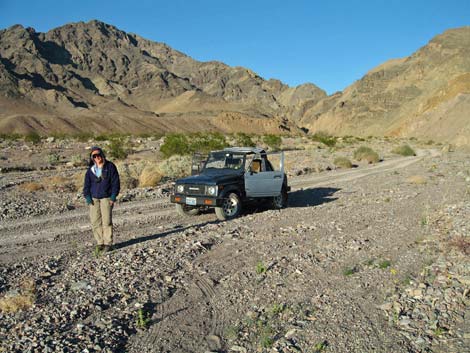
(107, 248)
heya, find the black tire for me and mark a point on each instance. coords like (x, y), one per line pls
(280, 201)
(230, 208)
(185, 210)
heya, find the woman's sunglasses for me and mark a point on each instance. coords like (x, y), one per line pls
(96, 155)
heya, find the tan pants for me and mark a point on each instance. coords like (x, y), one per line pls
(101, 221)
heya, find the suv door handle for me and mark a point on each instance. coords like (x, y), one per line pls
(277, 177)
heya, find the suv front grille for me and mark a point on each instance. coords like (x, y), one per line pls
(194, 189)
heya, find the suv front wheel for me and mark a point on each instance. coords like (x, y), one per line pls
(231, 207)
(185, 210)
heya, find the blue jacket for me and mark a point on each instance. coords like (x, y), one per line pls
(108, 185)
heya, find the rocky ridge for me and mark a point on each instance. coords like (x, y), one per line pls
(84, 74)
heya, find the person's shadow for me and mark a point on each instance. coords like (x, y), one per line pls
(312, 197)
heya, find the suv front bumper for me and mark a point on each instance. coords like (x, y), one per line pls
(196, 200)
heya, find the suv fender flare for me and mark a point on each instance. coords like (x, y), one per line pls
(231, 189)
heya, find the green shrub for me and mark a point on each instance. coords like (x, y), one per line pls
(273, 142)
(10, 137)
(78, 160)
(404, 150)
(244, 140)
(83, 136)
(33, 137)
(324, 138)
(118, 149)
(205, 143)
(364, 153)
(175, 144)
(342, 162)
(260, 268)
(180, 144)
(53, 158)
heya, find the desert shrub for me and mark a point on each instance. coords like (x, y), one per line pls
(83, 136)
(127, 176)
(417, 179)
(244, 140)
(53, 158)
(324, 138)
(77, 160)
(175, 166)
(10, 137)
(150, 176)
(59, 184)
(33, 137)
(404, 150)
(342, 162)
(32, 186)
(175, 144)
(118, 148)
(273, 142)
(21, 300)
(462, 244)
(207, 142)
(365, 153)
(180, 144)
(78, 179)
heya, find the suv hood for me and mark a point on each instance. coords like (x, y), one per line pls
(212, 177)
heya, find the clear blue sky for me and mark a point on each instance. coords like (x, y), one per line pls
(328, 43)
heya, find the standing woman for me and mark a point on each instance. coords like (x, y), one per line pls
(100, 189)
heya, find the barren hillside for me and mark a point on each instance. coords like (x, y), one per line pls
(426, 95)
(92, 74)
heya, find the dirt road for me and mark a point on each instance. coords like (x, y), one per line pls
(312, 277)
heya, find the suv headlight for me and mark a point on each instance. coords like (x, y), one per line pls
(180, 188)
(211, 190)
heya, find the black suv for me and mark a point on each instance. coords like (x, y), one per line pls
(230, 177)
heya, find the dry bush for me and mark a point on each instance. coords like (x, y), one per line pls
(32, 186)
(417, 179)
(364, 153)
(127, 176)
(176, 166)
(342, 162)
(78, 179)
(462, 244)
(21, 300)
(150, 176)
(59, 184)
(404, 150)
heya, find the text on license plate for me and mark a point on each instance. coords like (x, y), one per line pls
(190, 201)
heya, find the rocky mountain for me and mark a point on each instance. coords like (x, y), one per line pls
(426, 95)
(93, 77)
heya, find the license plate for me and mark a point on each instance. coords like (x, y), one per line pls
(191, 201)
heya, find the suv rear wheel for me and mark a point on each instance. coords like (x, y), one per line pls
(185, 210)
(231, 207)
(280, 201)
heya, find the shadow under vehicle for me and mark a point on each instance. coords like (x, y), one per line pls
(229, 178)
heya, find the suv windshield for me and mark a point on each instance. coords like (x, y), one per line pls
(225, 160)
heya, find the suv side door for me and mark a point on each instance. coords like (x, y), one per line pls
(265, 182)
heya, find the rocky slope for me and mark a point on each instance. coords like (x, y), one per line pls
(425, 95)
(85, 77)
(92, 74)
